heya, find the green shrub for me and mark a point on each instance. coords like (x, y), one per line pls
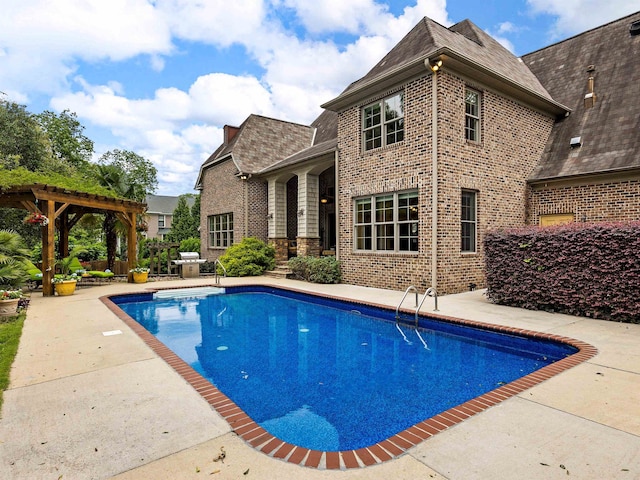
(316, 269)
(13, 253)
(251, 257)
(190, 245)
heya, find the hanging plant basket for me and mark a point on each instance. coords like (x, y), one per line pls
(36, 219)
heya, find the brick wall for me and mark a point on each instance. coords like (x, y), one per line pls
(258, 209)
(223, 192)
(604, 200)
(513, 138)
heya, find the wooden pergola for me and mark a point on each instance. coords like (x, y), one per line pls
(65, 207)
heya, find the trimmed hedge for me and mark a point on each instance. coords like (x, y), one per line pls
(316, 269)
(590, 270)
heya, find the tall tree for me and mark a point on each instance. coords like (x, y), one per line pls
(68, 142)
(195, 214)
(183, 225)
(140, 173)
(114, 178)
(130, 176)
(22, 141)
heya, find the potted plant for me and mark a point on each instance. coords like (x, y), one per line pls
(9, 300)
(140, 274)
(66, 281)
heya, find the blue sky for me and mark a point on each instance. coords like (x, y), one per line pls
(162, 77)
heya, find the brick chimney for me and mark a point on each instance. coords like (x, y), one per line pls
(229, 133)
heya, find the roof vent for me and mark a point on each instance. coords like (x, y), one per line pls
(575, 142)
(634, 29)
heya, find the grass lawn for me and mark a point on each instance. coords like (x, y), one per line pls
(10, 332)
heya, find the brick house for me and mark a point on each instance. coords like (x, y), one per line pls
(448, 118)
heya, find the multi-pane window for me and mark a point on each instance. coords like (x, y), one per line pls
(387, 222)
(383, 122)
(221, 230)
(161, 221)
(472, 116)
(469, 221)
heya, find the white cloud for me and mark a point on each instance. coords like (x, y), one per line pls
(218, 22)
(219, 98)
(507, 27)
(576, 16)
(44, 46)
(363, 16)
(44, 40)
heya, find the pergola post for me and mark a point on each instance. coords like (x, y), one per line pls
(63, 234)
(132, 247)
(48, 244)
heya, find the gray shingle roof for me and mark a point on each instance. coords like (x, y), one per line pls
(324, 142)
(164, 204)
(261, 141)
(461, 45)
(610, 130)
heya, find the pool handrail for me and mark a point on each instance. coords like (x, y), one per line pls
(215, 269)
(430, 292)
(409, 289)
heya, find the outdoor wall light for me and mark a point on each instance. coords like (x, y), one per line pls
(270, 216)
(301, 212)
(435, 64)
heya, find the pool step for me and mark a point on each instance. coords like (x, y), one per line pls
(281, 271)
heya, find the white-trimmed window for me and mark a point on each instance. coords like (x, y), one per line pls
(221, 230)
(383, 122)
(387, 223)
(161, 221)
(469, 221)
(472, 115)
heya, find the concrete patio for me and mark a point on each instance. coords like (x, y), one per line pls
(83, 405)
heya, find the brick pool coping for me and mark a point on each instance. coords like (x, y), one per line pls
(391, 448)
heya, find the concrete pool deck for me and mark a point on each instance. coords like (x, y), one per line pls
(85, 405)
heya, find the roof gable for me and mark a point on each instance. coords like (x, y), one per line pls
(464, 47)
(608, 131)
(260, 142)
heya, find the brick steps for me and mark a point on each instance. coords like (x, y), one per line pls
(281, 271)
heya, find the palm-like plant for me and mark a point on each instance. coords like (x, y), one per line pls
(13, 252)
(115, 178)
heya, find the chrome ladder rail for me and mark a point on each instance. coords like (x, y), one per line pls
(431, 292)
(406, 292)
(215, 269)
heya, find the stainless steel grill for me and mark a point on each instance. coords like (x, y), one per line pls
(189, 264)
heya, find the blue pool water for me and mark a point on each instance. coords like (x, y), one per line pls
(330, 375)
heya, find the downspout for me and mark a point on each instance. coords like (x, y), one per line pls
(434, 180)
(336, 205)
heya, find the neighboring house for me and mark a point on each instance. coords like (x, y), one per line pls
(447, 118)
(159, 214)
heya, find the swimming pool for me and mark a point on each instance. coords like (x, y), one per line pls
(331, 376)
